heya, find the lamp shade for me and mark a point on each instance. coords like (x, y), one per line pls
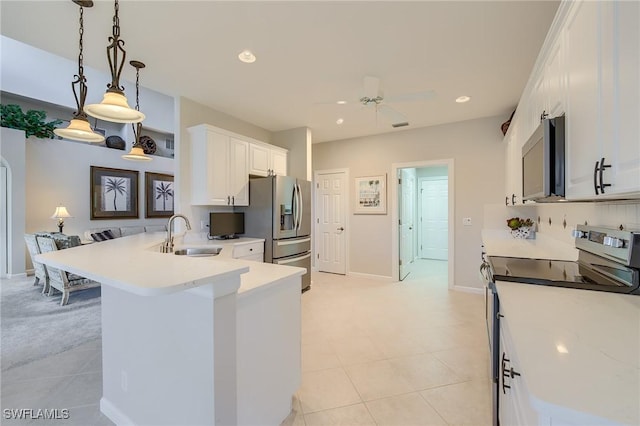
(61, 212)
(136, 154)
(79, 130)
(115, 108)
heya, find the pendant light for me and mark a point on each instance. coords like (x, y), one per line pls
(137, 152)
(114, 106)
(79, 128)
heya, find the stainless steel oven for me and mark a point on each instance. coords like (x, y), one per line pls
(608, 260)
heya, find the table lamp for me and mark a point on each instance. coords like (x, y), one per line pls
(61, 213)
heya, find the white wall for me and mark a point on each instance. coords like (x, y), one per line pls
(298, 142)
(58, 172)
(476, 147)
(12, 150)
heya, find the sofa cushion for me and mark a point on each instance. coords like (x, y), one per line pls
(131, 230)
(97, 237)
(108, 234)
(155, 228)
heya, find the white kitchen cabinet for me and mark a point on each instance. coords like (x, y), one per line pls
(251, 251)
(513, 166)
(602, 42)
(267, 160)
(219, 168)
(515, 406)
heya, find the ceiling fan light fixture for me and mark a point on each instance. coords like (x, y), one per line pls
(463, 99)
(247, 56)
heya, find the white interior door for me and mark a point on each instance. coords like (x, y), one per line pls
(434, 210)
(331, 207)
(407, 195)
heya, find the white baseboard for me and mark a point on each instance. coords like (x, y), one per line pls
(466, 289)
(20, 275)
(371, 276)
(113, 413)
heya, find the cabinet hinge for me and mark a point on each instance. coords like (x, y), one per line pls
(399, 181)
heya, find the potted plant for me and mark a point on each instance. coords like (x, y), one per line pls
(32, 122)
(521, 228)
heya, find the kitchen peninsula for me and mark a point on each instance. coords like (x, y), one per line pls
(191, 340)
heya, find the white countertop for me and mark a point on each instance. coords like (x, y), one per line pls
(600, 373)
(498, 242)
(134, 264)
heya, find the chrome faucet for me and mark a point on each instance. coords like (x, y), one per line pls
(167, 246)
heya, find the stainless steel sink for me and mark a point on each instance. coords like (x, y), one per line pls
(199, 252)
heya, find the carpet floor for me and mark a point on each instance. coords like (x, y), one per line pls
(34, 326)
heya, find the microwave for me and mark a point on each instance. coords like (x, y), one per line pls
(543, 162)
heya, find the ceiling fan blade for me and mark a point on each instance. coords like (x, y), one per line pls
(371, 87)
(393, 116)
(412, 97)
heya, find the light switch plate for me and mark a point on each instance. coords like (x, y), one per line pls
(466, 221)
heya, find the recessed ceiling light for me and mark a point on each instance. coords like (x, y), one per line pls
(339, 121)
(463, 99)
(247, 56)
(341, 102)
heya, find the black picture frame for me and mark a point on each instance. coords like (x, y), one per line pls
(159, 193)
(114, 193)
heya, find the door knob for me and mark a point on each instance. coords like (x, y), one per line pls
(340, 229)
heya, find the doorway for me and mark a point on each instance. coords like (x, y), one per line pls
(331, 230)
(423, 212)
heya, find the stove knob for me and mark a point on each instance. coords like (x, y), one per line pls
(578, 234)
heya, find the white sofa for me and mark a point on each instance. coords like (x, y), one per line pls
(123, 231)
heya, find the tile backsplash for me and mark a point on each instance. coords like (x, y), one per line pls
(553, 215)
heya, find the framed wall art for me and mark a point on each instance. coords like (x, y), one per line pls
(158, 190)
(371, 195)
(114, 193)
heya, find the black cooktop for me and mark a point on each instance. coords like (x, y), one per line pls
(589, 273)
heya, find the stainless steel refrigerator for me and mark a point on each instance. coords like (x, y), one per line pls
(280, 212)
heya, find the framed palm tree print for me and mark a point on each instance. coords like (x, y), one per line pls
(114, 193)
(159, 195)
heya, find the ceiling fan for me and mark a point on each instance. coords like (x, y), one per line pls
(373, 96)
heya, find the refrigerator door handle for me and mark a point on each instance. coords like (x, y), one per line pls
(295, 259)
(294, 206)
(300, 201)
(288, 243)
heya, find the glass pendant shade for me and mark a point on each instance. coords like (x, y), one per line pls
(79, 130)
(115, 108)
(136, 154)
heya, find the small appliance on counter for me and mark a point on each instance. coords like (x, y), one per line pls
(608, 260)
(225, 225)
(280, 212)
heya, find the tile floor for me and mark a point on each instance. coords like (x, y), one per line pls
(373, 353)
(377, 353)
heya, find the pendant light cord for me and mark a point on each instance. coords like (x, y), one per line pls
(80, 79)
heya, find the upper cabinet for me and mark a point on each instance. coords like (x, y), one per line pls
(603, 74)
(221, 162)
(267, 160)
(219, 168)
(513, 169)
(589, 70)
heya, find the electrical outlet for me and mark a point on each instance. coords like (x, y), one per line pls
(124, 381)
(466, 221)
